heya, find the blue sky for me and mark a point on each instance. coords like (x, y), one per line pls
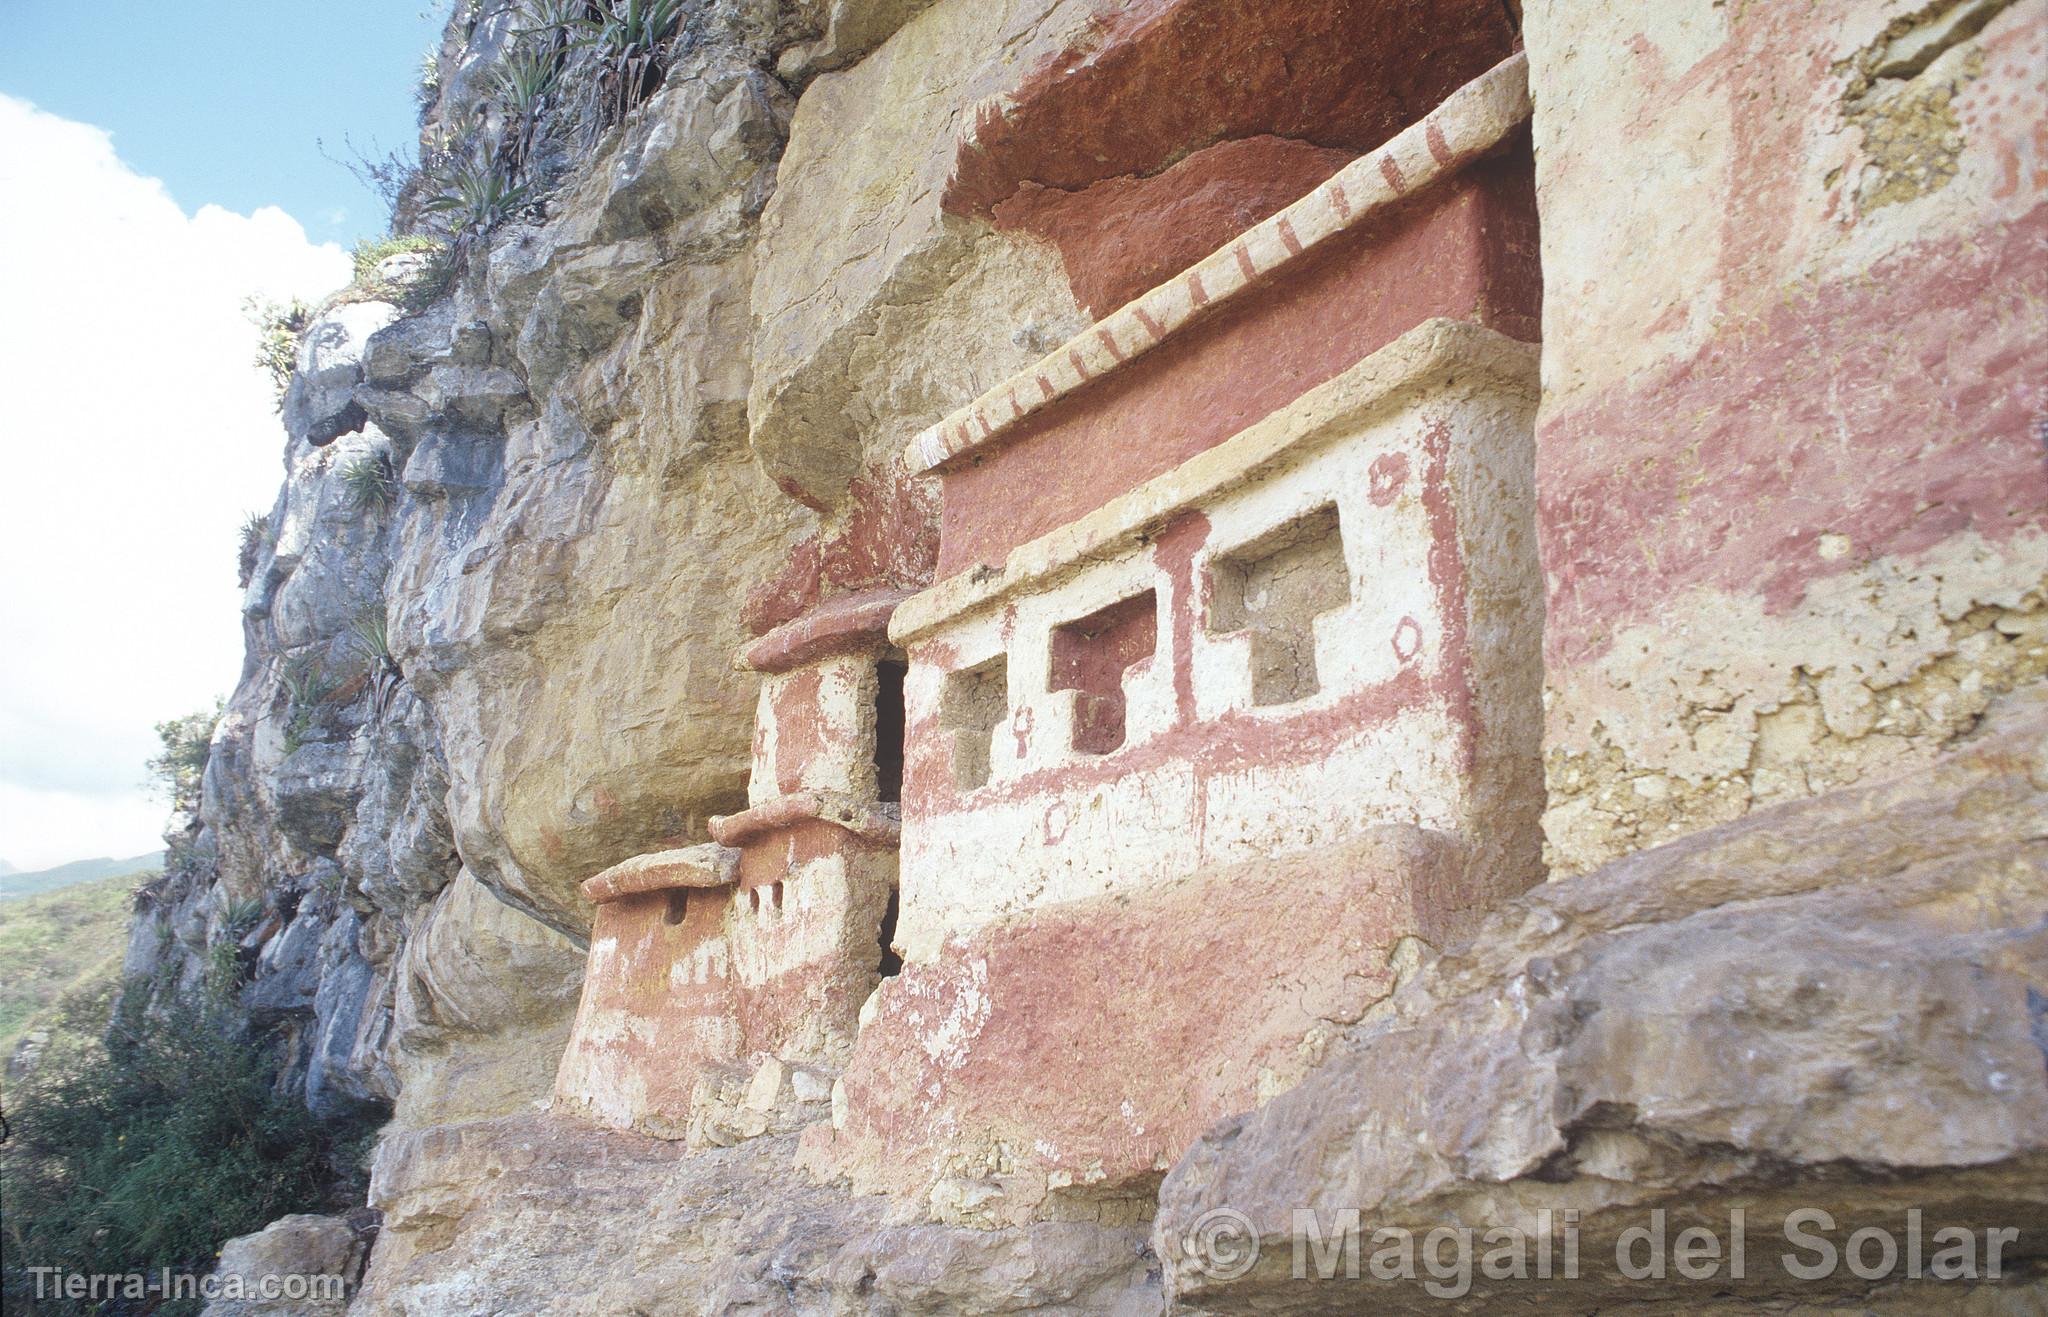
(158, 168)
(223, 100)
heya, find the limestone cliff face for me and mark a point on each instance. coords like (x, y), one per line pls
(1787, 692)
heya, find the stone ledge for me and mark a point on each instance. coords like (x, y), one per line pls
(1705, 1026)
(703, 866)
(864, 819)
(1436, 351)
(1471, 121)
(837, 626)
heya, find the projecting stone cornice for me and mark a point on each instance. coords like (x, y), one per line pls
(1435, 353)
(843, 625)
(1471, 121)
(864, 819)
(702, 866)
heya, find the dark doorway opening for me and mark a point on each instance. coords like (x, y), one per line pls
(892, 964)
(889, 674)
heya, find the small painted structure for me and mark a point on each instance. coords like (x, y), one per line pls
(658, 1009)
(1325, 623)
(760, 947)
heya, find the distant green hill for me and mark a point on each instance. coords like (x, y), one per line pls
(78, 871)
(57, 941)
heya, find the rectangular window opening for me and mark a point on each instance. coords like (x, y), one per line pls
(889, 674)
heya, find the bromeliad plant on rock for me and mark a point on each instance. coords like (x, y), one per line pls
(629, 45)
(256, 536)
(575, 69)
(371, 637)
(370, 482)
(523, 89)
(307, 689)
(479, 193)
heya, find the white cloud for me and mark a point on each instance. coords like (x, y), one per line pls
(137, 434)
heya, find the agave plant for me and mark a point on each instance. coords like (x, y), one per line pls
(551, 21)
(241, 916)
(523, 87)
(477, 194)
(255, 537)
(306, 687)
(631, 43)
(372, 637)
(369, 482)
(305, 681)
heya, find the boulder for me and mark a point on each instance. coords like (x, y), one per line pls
(297, 1266)
(1833, 1005)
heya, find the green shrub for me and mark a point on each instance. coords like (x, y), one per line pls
(372, 252)
(427, 287)
(180, 767)
(152, 1147)
(256, 537)
(279, 325)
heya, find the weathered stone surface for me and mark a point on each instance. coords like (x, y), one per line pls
(482, 1002)
(319, 405)
(311, 1262)
(1831, 1004)
(1788, 462)
(609, 1223)
(867, 298)
(347, 1069)
(849, 29)
(450, 464)
(556, 548)
(315, 792)
(569, 743)
(1125, 236)
(1790, 513)
(289, 965)
(946, 1100)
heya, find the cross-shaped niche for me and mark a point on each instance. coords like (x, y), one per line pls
(973, 702)
(1091, 654)
(1274, 588)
